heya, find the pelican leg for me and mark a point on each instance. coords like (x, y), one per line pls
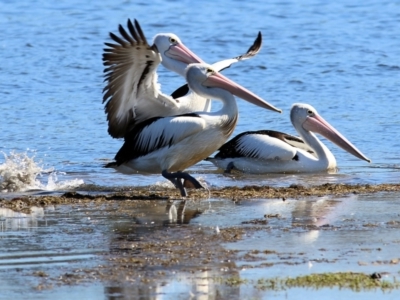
(176, 177)
(229, 167)
(181, 210)
(192, 180)
(180, 186)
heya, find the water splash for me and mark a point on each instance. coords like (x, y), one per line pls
(20, 172)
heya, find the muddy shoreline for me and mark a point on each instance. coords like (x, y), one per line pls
(143, 239)
(233, 193)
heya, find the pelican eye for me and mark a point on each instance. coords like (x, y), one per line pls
(173, 40)
(310, 112)
(210, 71)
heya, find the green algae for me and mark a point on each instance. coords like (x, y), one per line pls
(356, 282)
(342, 280)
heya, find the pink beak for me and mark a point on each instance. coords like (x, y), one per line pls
(219, 80)
(184, 54)
(318, 124)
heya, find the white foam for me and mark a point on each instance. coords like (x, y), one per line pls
(160, 185)
(20, 172)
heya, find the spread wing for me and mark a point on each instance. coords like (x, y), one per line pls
(263, 144)
(222, 65)
(130, 72)
(253, 50)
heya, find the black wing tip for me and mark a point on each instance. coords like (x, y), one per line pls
(111, 47)
(132, 35)
(130, 38)
(258, 42)
(253, 50)
(117, 39)
(135, 23)
(136, 31)
(140, 32)
(259, 37)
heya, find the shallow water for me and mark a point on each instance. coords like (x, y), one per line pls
(61, 251)
(342, 57)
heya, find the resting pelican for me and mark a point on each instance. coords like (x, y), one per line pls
(169, 145)
(132, 93)
(268, 151)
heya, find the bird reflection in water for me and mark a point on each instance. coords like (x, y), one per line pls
(15, 220)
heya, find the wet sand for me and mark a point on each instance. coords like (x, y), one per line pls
(231, 243)
(234, 193)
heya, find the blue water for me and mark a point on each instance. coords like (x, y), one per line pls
(342, 57)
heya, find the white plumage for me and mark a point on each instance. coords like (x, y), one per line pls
(268, 151)
(169, 145)
(254, 145)
(132, 93)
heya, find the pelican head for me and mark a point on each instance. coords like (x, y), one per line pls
(175, 55)
(306, 117)
(209, 78)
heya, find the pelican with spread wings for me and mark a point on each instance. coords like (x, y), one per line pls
(132, 93)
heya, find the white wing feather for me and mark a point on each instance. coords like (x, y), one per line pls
(131, 79)
(265, 147)
(170, 130)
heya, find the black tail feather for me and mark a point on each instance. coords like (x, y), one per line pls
(111, 165)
